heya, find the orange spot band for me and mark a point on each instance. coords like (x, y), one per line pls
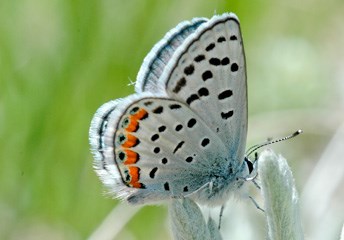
(133, 125)
(130, 142)
(140, 114)
(132, 157)
(135, 174)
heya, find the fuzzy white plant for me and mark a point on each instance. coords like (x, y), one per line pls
(188, 223)
(281, 201)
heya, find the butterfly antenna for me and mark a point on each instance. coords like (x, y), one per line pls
(257, 146)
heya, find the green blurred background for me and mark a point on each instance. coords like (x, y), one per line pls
(60, 60)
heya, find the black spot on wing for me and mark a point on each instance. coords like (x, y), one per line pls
(156, 150)
(225, 61)
(152, 172)
(162, 128)
(191, 123)
(158, 110)
(215, 61)
(189, 159)
(234, 67)
(205, 142)
(225, 94)
(233, 38)
(164, 160)
(179, 145)
(166, 186)
(180, 84)
(127, 176)
(175, 106)
(192, 98)
(121, 138)
(226, 115)
(179, 127)
(189, 70)
(134, 110)
(210, 47)
(207, 75)
(121, 155)
(221, 39)
(199, 58)
(202, 92)
(148, 103)
(155, 137)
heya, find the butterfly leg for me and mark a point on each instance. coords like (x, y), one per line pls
(221, 213)
(256, 204)
(256, 184)
(253, 179)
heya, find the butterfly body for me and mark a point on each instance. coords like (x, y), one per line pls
(183, 133)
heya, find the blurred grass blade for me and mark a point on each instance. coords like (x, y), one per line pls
(326, 178)
(113, 224)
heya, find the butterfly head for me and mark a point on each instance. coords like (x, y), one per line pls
(252, 165)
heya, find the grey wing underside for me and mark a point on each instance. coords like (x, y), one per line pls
(208, 73)
(173, 150)
(156, 60)
(175, 69)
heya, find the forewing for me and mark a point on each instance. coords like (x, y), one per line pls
(208, 73)
(156, 60)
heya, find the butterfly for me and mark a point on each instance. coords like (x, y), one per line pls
(183, 133)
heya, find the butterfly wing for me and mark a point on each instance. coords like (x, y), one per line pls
(150, 148)
(209, 75)
(156, 60)
(185, 127)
